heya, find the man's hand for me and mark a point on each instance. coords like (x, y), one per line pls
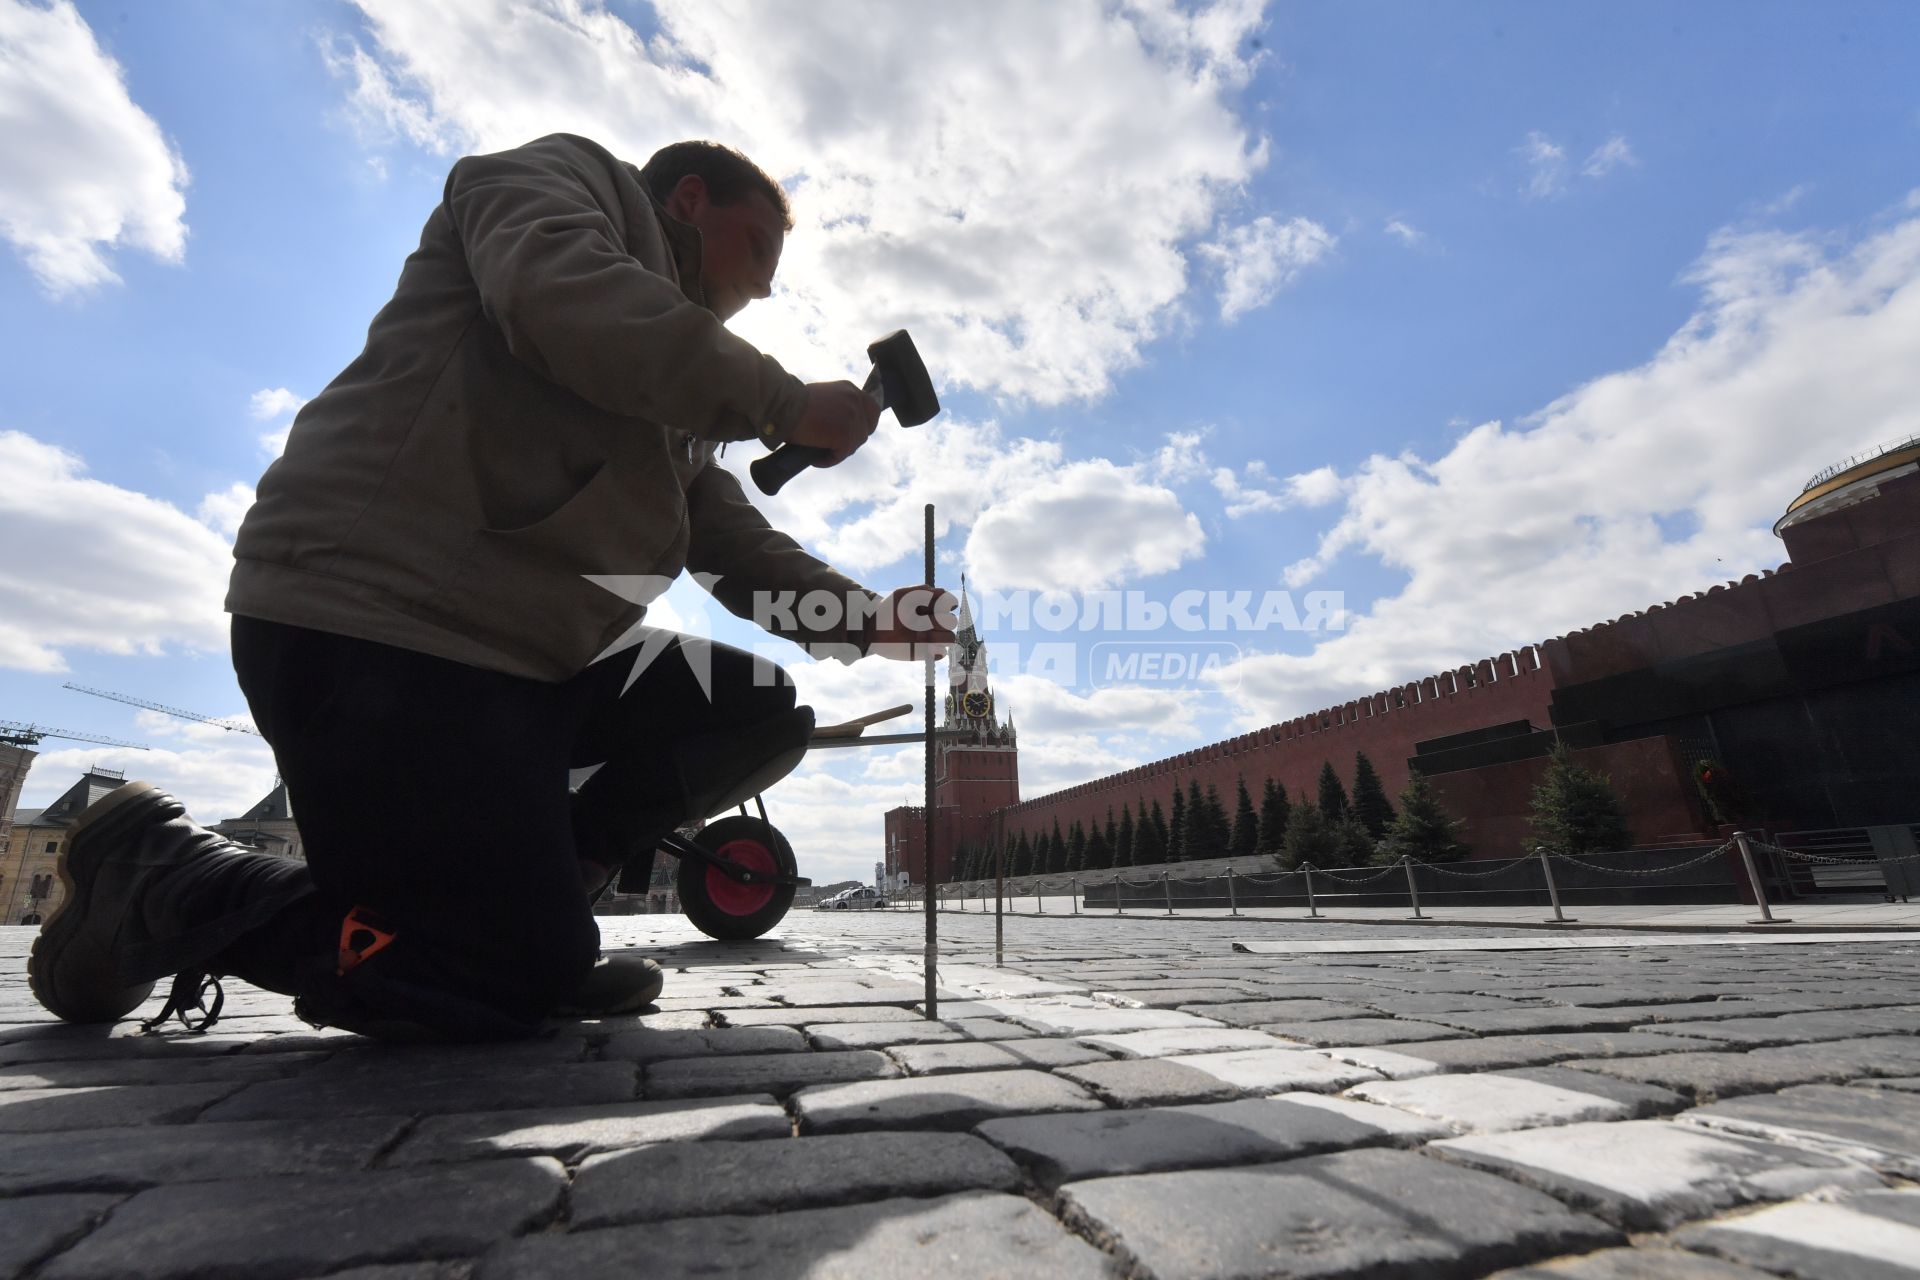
(911, 620)
(839, 418)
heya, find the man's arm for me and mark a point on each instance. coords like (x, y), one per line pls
(545, 231)
(758, 566)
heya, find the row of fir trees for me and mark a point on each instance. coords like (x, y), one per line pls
(1574, 811)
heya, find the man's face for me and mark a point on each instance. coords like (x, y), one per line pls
(740, 247)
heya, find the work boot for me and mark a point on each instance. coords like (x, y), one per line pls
(146, 894)
(621, 982)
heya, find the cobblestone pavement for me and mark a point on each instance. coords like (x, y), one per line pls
(1123, 1097)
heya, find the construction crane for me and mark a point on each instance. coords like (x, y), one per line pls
(15, 733)
(131, 701)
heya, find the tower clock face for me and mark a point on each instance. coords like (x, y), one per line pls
(978, 703)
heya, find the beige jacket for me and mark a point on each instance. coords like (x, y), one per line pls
(540, 401)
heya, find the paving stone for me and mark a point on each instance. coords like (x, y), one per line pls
(986, 1028)
(390, 1092)
(1354, 1214)
(284, 1227)
(73, 1044)
(936, 1102)
(1635, 1264)
(1491, 1103)
(881, 1035)
(1652, 1174)
(942, 1059)
(1150, 1082)
(1068, 1148)
(842, 993)
(775, 1073)
(570, 1133)
(1277, 1070)
(1516, 1021)
(35, 1226)
(1882, 1129)
(151, 1155)
(1903, 1084)
(1174, 1040)
(1418, 1005)
(651, 1044)
(1175, 997)
(119, 1071)
(1641, 1100)
(688, 1180)
(1393, 1126)
(1360, 1031)
(1800, 1028)
(1074, 1020)
(1261, 1012)
(108, 1106)
(782, 1016)
(1708, 1076)
(1495, 1052)
(1875, 1236)
(977, 1235)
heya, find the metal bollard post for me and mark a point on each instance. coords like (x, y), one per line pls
(1073, 889)
(1166, 891)
(1753, 878)
(1039, 903)
(1413, 890)
(1553, 890)
(1232, 901)
(1119, 895)
(1313, 912)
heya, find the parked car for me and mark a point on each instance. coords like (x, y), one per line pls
(831, 901)
(861, 899)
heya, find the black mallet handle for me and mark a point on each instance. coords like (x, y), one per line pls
(789, 460)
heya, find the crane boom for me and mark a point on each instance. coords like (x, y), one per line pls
(17, 733)
(163, 709)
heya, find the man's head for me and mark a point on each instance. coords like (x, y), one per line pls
(741, 213)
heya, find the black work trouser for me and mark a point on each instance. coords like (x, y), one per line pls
(437, 795)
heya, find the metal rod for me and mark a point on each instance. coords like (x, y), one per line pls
(1753, 878)
(1232, 901)
(1119, 894)
(1039, 900)
(1313, 912)
(1553, 890)
(999, 901)
(1073, 888)
(932, 961)
(1413, 890)
(1166, 891)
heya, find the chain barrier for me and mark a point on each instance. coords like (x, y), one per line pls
(1274, 879)
(1657, 871)
(1384, 871)
(1801, 855)
(1473, 875)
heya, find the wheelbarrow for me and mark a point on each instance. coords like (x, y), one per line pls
(737, 874)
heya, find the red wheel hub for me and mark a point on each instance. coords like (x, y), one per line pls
(733, 897)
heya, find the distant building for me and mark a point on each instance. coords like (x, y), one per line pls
(15, 760)
(28, 885)
(268, 826)
(1798, 687)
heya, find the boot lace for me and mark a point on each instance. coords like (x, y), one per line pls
(187, 1001)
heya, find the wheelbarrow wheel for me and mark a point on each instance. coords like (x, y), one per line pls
(724, 908)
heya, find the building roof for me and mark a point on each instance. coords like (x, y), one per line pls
(275, 806)
(73, 802)
(26, 817)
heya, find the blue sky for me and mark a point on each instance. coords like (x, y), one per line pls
(1495, 319)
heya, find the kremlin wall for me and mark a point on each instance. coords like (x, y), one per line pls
(1803, 683)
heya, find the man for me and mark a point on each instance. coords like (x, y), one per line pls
(424, 595)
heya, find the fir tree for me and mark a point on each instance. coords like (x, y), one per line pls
(1112, 833)
(1099, 854)
(1021, 858)
(1333, 796)
(1423, 830)
(1177, 828)
(1246, 823)
(1274, 807)
(1123, 840)
(1575, 810)
(1194, 843)
(1219, 831)
(1370, 803)
(1076, 848)
(1056, 852)
(1355, 843)
(1150, 838)
(1310, 837)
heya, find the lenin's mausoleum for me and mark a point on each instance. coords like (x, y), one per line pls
(1800, 685)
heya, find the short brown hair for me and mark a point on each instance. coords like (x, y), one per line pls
(730, 176)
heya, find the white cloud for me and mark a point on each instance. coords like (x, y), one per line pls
(275, 403)
(1094, 525)
(1020, 200)
(1246, 496)
(1612, 154)
(1798, 355)
(86, 169)
(90, 565)
(1404, 232)
(216, 773)
(1546, 161)
(1180, 459)
(225, 509)
(1258, 260)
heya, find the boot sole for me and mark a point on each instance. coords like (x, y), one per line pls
(61, 926)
